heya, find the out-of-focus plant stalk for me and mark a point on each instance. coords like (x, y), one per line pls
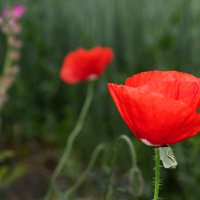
(92, 161)
(8, 60)
(109, 189)
(72, 136)
(10, 26)
(134, 167)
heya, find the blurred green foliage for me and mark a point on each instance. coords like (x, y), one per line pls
(8, 175)
(145, 35)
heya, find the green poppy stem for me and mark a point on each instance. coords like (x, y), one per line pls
(83, 176)
(134, 167)
(157, 173)
(71, 139)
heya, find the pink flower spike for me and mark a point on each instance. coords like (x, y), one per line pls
(5, 12)
(18, 11)
(1, 20)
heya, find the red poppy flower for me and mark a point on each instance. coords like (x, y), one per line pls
(84, 64)
(159, 107)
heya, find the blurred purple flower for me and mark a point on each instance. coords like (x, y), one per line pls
(16, 11)
(5, 12)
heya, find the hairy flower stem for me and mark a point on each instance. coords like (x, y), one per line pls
(71, 139)
(157, 173)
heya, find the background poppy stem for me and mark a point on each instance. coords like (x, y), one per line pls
(157, 173)
(134, 168)
(92, 161)
(72, 137)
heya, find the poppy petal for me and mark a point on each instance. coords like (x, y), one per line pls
(84, 64)
(145, 78)
(188, 92)
(154, 118)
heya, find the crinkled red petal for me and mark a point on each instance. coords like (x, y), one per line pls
(145, 78)
(155, 118)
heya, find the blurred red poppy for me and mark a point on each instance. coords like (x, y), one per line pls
(84, 64)
(159, 107)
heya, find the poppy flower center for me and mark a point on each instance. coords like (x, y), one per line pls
(92, 77)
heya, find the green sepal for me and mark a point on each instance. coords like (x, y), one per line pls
(167, 157)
